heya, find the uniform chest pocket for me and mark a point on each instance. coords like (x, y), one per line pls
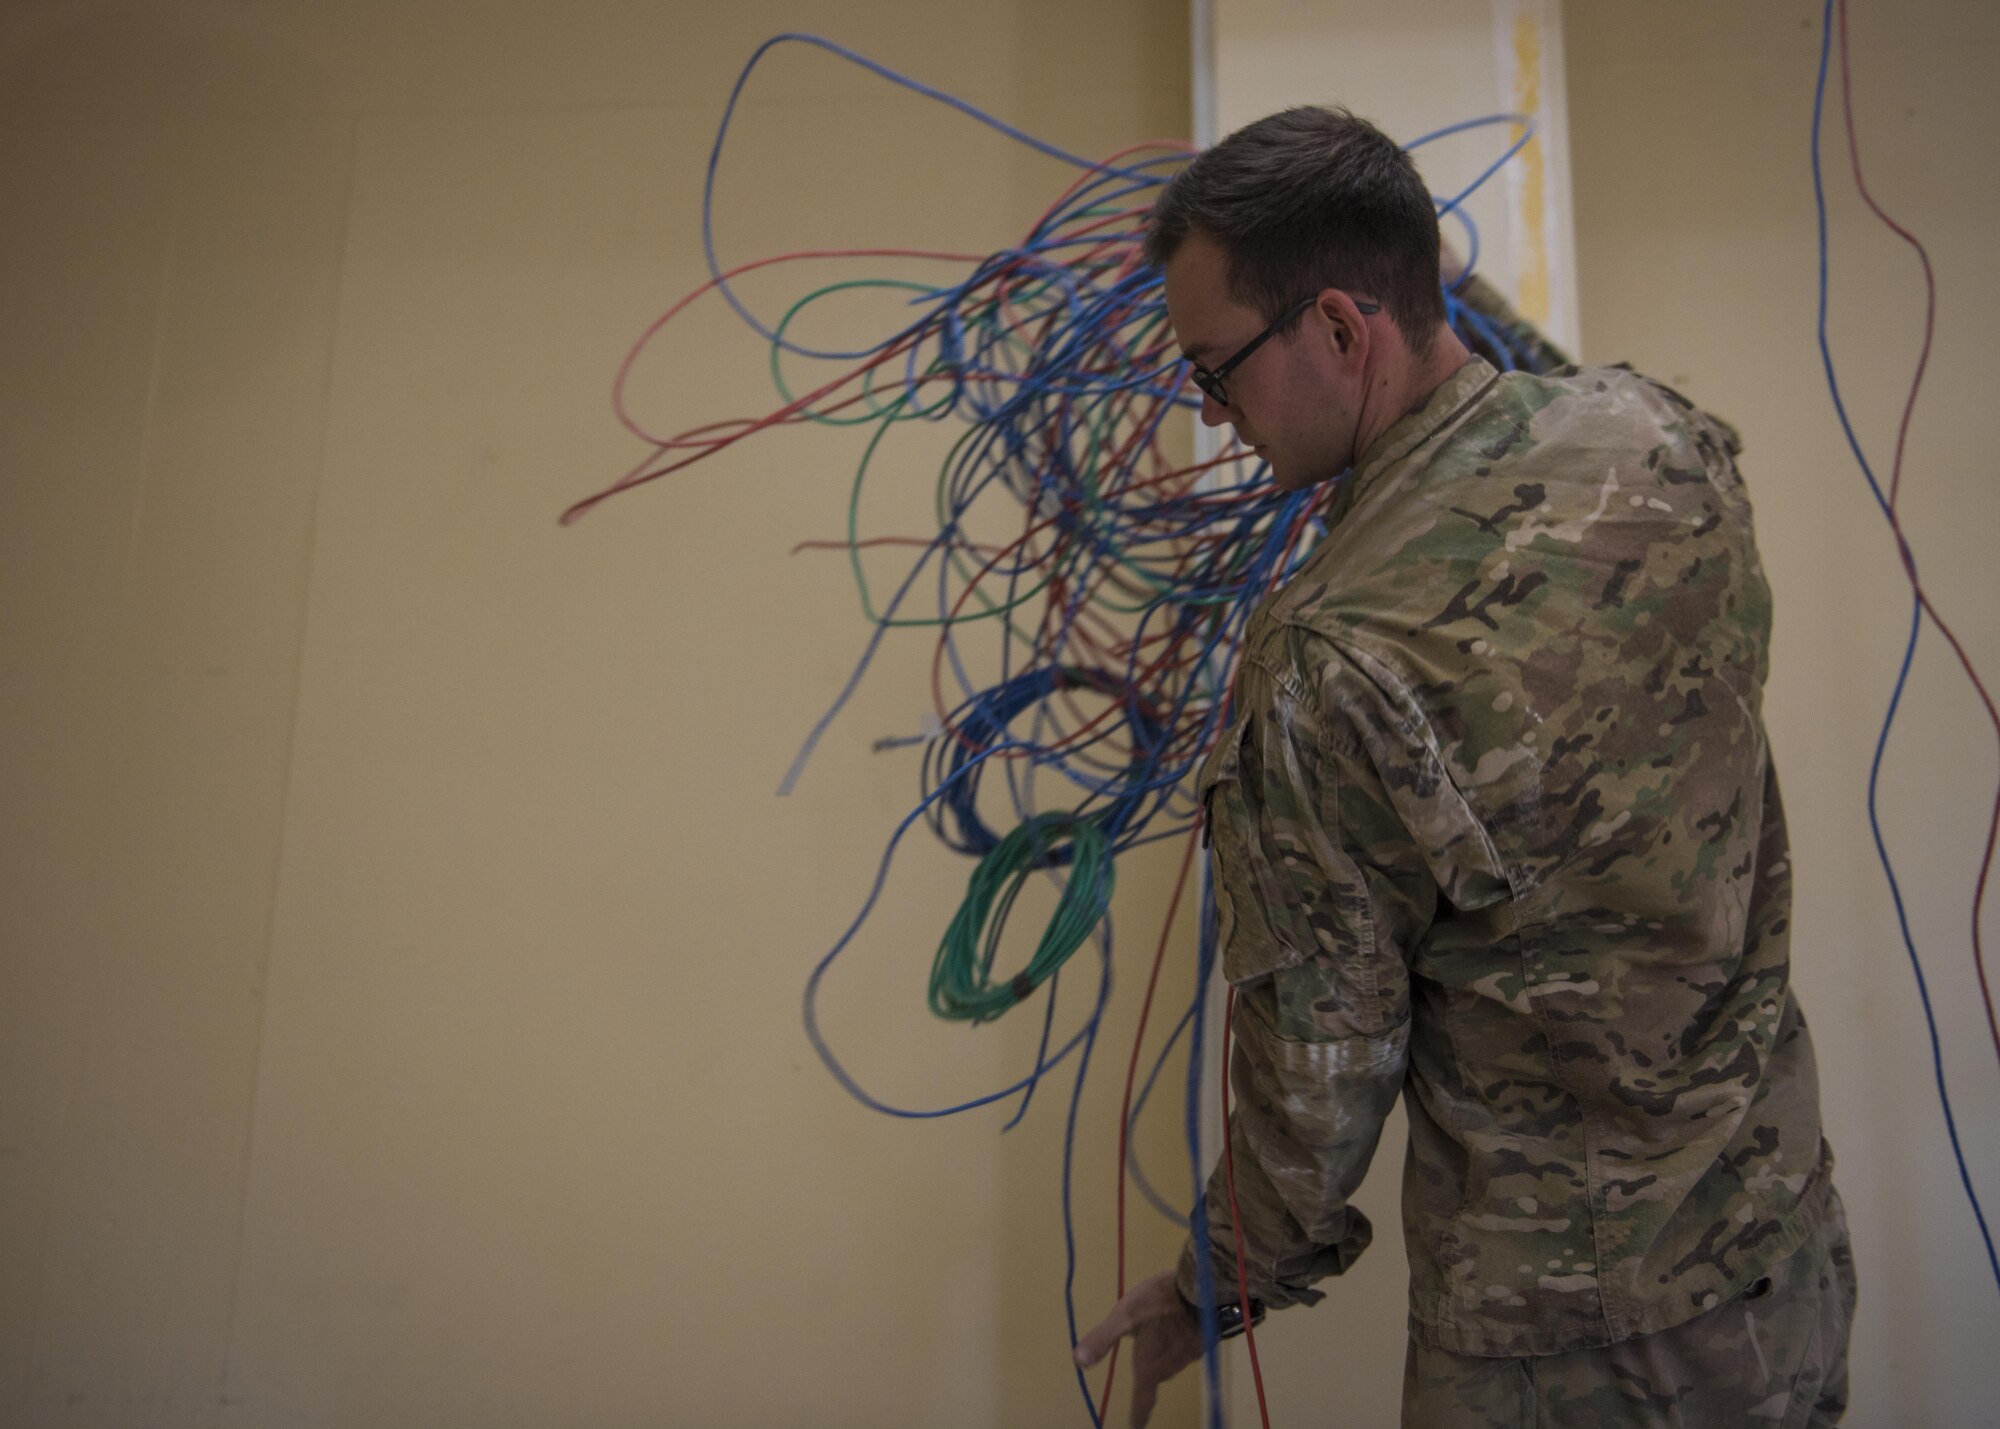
(1280, 897)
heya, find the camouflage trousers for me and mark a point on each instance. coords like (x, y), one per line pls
(1775, 1357)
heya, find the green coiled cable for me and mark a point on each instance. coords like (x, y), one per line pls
(963, 988)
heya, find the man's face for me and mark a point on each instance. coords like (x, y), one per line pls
(1291, 400)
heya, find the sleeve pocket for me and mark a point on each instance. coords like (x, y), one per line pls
(1263, 921)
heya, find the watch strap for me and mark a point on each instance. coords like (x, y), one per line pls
(1229, 1322)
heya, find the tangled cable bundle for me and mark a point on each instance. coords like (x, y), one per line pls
(1132, 573)
(1086, 653)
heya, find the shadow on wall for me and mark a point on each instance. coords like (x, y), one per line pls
(188, 146)
(119, 63)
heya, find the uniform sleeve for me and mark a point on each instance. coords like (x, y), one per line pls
(1321, 894)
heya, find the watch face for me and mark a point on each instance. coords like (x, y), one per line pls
(1229, 1316)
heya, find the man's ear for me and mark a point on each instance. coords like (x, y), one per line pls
(1347, 329)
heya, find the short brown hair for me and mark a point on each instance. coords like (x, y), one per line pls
(1307, 199)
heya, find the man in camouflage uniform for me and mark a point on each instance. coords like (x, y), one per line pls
(1495, 828)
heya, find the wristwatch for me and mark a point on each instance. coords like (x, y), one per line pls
(1229, 1322)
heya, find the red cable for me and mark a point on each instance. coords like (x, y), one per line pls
(639, 475)
(953, 617)
(1165, 663)
(1131, 1076)
(1236, 1216)
(645, 338)
(879, 541)
(1896, 525)
(1164, 146)
(743, 427)
(1005, 283)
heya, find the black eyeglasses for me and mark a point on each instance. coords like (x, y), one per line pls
(1211, 382)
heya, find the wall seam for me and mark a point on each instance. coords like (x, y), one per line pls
(219, 1400)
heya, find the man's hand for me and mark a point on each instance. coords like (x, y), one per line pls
(1165, 1339)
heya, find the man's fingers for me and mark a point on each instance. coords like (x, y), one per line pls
(1097, 1343)
(1151, 1299)
(1145, 1392)
(1123, 1319)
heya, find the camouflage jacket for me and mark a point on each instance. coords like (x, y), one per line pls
(1495, 827)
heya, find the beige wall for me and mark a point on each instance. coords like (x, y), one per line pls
(399, 947)
(400, 944)
(1696, 235)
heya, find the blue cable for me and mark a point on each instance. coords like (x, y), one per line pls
(1204, 1268)
(825, 1051)
(1902, 673)
(1055, 354)
(1132, 1163)
(1069, 1163)
(882, 71)
(1041, 1050)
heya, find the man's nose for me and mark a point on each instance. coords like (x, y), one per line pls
(1214, 413)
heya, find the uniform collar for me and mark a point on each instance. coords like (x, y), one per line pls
(1447, 401)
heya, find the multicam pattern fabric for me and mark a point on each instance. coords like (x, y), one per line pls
(1495, 827)
(1775, 1357)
